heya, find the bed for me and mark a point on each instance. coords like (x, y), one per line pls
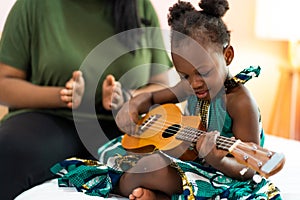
(286, 179)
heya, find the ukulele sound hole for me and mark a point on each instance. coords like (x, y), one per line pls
(171, 130)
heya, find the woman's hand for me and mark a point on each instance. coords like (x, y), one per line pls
(74, 89)
(112, 96)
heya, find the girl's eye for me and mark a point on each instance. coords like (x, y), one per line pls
(205, 74)
(181, 75)
(184, 76)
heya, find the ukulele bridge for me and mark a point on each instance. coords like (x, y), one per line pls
(148, 123)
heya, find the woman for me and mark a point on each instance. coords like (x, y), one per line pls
(46, 85)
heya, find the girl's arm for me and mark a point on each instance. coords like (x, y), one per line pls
(244, 113)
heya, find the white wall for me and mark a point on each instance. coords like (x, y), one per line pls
(5, 6)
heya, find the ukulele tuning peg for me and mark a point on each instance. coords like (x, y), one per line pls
(243, 171)
(257, 178)
(270, 154)
(245, 157)
(254, 147)
(259, 164)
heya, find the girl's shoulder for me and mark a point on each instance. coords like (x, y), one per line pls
(240, 99)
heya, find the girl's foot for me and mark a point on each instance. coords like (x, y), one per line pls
(145, 194)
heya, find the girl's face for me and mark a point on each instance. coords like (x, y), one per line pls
(205, 69)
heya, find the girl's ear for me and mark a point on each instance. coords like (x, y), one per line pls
(228, 54)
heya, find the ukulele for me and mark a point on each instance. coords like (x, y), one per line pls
(165, 128)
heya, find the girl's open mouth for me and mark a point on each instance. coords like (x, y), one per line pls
(202, 94)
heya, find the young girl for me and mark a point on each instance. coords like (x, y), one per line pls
(201, 52)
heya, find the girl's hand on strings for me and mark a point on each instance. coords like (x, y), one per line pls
(206, 147)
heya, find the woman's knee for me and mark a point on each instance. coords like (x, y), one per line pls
(9, 148)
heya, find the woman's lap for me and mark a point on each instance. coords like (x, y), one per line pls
(30, 144)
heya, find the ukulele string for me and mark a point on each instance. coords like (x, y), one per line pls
(194, 133)
(246, 156)
(185, 130)
(222, 141)
(190, 134)
(226, 145)
(245, 146)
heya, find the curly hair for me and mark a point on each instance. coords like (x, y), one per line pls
(205, 26)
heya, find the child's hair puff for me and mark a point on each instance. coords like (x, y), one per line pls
(205, 25)
(216, 8)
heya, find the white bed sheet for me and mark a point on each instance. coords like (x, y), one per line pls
(287, 179)
(50, 191)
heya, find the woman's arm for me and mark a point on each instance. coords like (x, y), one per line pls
(16, 92)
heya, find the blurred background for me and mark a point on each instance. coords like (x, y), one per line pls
(264, 33)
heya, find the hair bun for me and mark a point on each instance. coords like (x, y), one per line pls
(215, 8)
(178, 10)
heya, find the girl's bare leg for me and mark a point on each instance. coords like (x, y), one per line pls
(151, 176)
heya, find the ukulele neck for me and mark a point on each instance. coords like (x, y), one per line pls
(190, 134)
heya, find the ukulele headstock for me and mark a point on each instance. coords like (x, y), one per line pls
(265, 162)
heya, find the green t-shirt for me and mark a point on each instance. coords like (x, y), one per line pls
(49, 39)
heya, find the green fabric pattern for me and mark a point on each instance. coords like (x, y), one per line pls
(206, 182)
(95, 179)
